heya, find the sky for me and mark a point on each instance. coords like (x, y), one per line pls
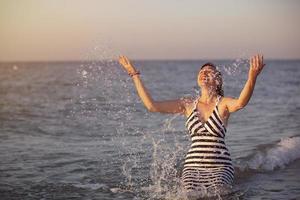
(50, 30)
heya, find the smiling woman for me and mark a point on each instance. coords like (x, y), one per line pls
(208, 165)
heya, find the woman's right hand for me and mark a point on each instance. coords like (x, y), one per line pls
(256, 65)
(124, 61)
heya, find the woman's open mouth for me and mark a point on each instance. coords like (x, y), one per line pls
(203, 78)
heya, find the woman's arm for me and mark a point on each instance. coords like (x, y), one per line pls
(170, 106)
(256, 66)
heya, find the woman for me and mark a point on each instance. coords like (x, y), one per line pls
(208, 163)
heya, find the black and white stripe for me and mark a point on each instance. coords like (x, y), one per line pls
(208, 161)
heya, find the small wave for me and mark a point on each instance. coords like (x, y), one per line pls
(271, 157)
(92, 186)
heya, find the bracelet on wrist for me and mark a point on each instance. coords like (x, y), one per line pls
(134, 73)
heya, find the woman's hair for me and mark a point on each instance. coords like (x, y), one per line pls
(220, 90)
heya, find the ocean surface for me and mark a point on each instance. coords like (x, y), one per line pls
(78, 130)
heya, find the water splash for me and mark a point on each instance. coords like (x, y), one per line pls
(160, 178)
(99, 79)
(166, 163)
(163, 172)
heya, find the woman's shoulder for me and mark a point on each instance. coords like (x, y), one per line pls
(228, 100)
(188, 104)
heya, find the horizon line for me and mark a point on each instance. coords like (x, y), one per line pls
(139, 59)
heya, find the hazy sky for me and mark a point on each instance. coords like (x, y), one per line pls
(148, 29)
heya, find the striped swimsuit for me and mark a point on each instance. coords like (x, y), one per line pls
(207, 163)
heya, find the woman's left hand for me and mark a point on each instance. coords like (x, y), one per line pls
(256, 65)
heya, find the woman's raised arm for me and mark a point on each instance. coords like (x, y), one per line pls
(170, 106)
(256, 66)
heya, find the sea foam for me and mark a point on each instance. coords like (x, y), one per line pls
(277, 156)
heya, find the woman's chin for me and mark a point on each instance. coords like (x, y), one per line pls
(203, 84)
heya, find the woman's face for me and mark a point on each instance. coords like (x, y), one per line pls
(208, 77)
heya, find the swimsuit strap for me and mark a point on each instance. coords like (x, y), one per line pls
(218, 100)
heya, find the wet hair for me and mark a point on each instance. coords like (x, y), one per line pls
(220, 90)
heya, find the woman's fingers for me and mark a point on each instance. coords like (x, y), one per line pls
(123, 60)
(127, 61)
(120, 58)
(256, 64)
(256, 61)
(260, 61)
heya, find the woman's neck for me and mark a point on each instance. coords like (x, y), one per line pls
(208, 96)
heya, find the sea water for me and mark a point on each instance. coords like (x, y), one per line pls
(78, 130)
